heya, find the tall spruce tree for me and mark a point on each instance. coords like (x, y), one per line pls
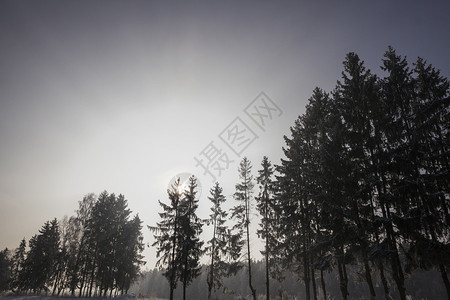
(5, 270)
(431, 113)
(354, 97)
(298, 202)
(166, 234)
(266, 205)
(241, 212)
(18, 261)
(220, 250)
(397, 94)
(189, 243)
(333, 213)
(315, 120)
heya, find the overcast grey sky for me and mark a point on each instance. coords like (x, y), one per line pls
(122, 95)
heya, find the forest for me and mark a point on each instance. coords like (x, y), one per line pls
(358, 208)
(97, 252)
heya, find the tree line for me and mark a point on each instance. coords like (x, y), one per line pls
(97, 252)
(364, 185)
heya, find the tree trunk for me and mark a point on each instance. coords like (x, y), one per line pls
(322, 280)
(445, 279)
(247, 224)
(209, 288)
(209, 292)
(306, 268)
(77, 267)
(185, 274)
(313, 283)
(369, 276)
(172, 261)
(55, 285)
(384, 281)
(342, 280)
(210, 280)
(250, 264)
(362, 231)
(344, 268)
(83, 278)
(398, 276)
(379, 264)
(397, 272)
(92, 277)
(267, 266)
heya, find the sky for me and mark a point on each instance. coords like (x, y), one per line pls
(124, 95)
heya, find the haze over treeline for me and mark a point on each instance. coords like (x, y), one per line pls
(421, 284)
(361, 192)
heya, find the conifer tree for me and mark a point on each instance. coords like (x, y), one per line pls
(316, 122)
(5, 270)
(429, 171)
(129, 258)
(190, 245)
(166, 234)
(39, 266)
(397, 94)
(241, 212)
(18, 261)
(267, 209)
(354, 97)
(220, 249)
(110, 236)
(299, 191)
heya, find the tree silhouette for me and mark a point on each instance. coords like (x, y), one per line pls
(190, 245)
(222, 249)
(266, 205)
(241, 212)
(166, 234)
